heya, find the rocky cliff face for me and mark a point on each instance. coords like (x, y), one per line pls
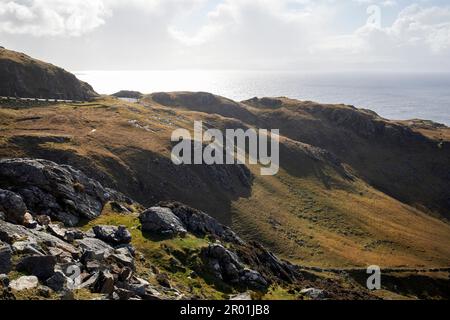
(25, 77)
(121, 262)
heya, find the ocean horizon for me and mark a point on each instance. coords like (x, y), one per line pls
(396, 96)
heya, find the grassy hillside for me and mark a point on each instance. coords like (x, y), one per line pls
(24, 77)
(353, 189)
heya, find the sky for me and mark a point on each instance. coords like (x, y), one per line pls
(295, 35)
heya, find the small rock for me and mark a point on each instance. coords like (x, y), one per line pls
(59, 282)
(42, 267)
(27, 246)
(24, 283)
(2, 216)
(162, 221)
(5, 258)
(312, 293)
(138, 286)
(93, 245)
(4, 281)
(113, 235)
(60, 255)
(242, 297)
(44, 291)
(119, 208)
(104, 283)
(163, 279)
(122, 259)
(125, 274)
(90, 281)
(12, 206)
(43, 220)
(68, 235)
(29, 222)
(122, 294)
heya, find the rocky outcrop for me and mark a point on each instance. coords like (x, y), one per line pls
(24, 283)
(161, 221)
(113, 235)
(61, 192)
(199, 223)
(25, 77)
(225, 265)
(12, 206)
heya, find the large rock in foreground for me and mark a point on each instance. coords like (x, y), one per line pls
(25, 77)
(59, 191)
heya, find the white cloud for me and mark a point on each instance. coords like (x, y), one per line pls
(51, 17)
(288, 34)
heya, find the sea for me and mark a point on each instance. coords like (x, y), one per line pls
(397, 96)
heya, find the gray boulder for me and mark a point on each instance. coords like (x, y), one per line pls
(313, 293)
(113, 235)
(225, 265)
(93, 245)
(59, 281)
(59, 191)
(4, 281)
(12, 206)
(68, 235)
(5, 258)
(161, 221)
(104, 283)
(201, 224)
(24, 283)
(12, 233)
(42, 267)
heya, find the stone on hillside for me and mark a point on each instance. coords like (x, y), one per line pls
(93, 245)
(199, 223)
(253, 279)
(12, 206)
(28, 221)
(163, 279)
(241, 297)
(104, 283)
(29, 246)
(59, 191)
(226, 265)
(113, 235)
(68, 235)
(59, 282)
(313, 293)
(24, 283)
(4, 281)
(11, 234)
(43, 220)
(118, 207)
(42, 267)
(5, 258)
(161, 221)
(122, 259)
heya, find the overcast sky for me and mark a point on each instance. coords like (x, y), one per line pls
(322, 35)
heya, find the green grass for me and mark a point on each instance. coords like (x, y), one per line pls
(178, 257)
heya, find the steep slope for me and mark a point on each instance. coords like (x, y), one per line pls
(393, 157)
(25, 77)
(169, 251)
(319, 210)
